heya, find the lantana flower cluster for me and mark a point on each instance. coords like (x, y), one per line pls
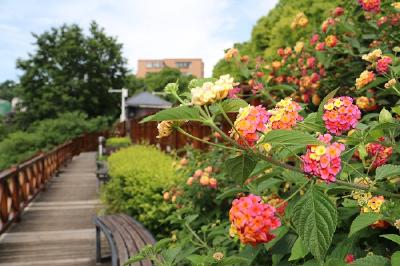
(340, 115)
(203, 177)
(165, 128)
(366, 104)
(378, 61)
(250, 122)
(300, 21)
(371, 5)
(323, 160)
(378, 154)
(211, 92)
(252, 220)
(285, 115)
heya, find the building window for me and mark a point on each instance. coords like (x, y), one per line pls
(155, 64)
(183, 64)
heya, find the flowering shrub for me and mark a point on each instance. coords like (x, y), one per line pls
(253, 220)
(305, 176)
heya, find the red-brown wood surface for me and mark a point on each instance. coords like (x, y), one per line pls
(21, 183)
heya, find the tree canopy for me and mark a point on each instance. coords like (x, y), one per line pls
(72, 71)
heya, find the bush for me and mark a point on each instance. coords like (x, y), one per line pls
(45, 135)
(18, 146)
(118, 142)
(139, 175)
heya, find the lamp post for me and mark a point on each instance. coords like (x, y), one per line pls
(124, 94)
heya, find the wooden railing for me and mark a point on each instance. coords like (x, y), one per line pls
(20, 184)
(147, 132)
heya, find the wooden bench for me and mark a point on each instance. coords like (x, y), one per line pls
(125, 237)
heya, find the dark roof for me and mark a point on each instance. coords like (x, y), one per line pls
(147, 100)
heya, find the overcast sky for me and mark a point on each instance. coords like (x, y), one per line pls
(147, 28)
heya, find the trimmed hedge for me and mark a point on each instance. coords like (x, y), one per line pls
(139, 175)
(118, 142)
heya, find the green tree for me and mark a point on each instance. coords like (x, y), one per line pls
(8, 90)
(71, 71)
(158, 80)
(134, 84)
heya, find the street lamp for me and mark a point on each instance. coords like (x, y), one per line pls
(124, 95)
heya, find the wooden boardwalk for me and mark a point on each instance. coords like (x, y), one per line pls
(57, 227)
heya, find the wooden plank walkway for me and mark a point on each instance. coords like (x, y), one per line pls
(57, 227)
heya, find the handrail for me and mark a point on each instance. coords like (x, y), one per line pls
(20, 184)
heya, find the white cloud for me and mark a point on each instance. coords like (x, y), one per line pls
(155, 28)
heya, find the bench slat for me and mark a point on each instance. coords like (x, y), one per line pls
(119, 241)
(139, 235)
(128, 235)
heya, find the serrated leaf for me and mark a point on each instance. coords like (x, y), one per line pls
(299, 251)
(229, 106)
(180, 113)
(289, 137)
(393, 237)
(315, 218)
(240, 167)
(362, 221)
(371, 260)
(387, 170)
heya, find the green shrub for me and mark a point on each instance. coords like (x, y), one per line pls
(18, 146)
(139, 175)
(44, 135)
(118, 142)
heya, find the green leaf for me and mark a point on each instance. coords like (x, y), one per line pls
(299, 251)
(371, 260)
(395, 258)
(396, 109)
(180, 113)
(393, 237)
(312, 124)
(324, 101)
(229, 106)
(289, 137)
(387, 170)
(240, 167)
(235, 260)
(363, 220)
(270, 182)
(230, 192)
(315, 218)
(385, 116)
(279, 233)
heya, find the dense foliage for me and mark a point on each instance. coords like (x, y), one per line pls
(139, 174)
(18, 146)
(70, 71)
(275, 30)
(118, 142)
(313, 179)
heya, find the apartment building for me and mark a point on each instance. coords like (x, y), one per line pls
(189, 66)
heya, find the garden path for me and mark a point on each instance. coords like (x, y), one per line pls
(57, 227)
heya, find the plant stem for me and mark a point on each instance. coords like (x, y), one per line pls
(293, 194)
(205, 141)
